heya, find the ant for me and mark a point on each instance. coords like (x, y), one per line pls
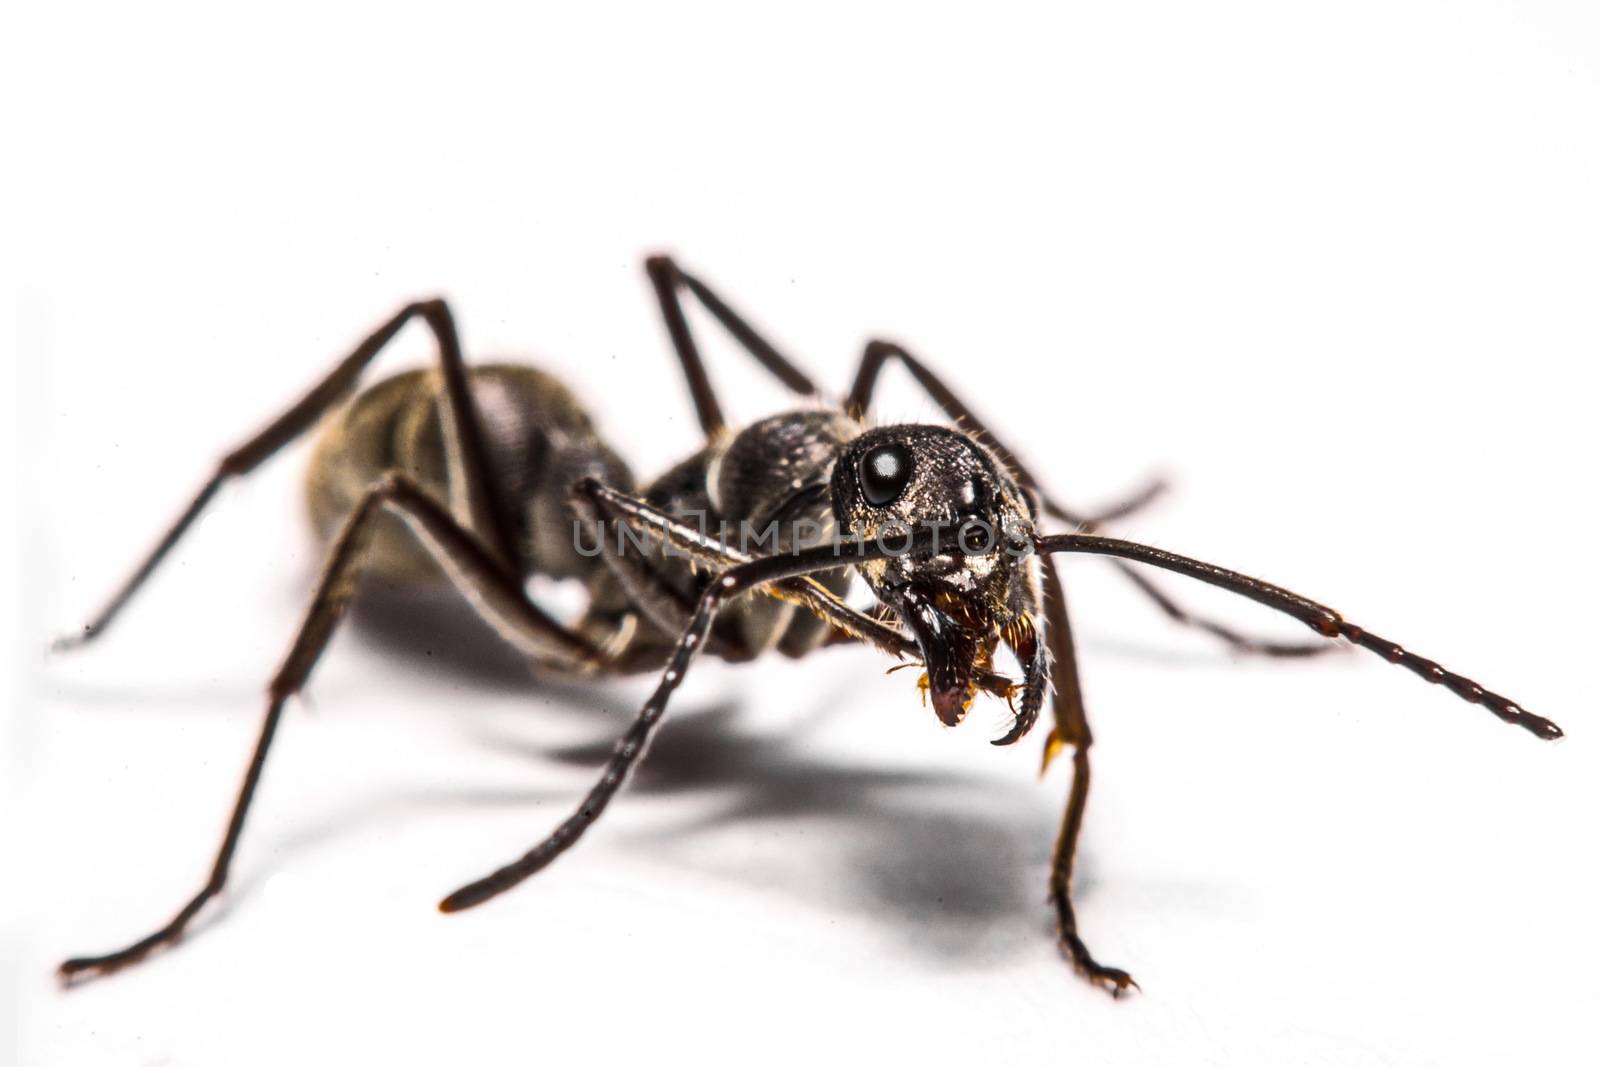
(486, 475)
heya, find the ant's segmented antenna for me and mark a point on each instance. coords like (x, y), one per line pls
(631, 748)
(1319, 617)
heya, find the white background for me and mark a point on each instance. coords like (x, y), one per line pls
(1331, 269)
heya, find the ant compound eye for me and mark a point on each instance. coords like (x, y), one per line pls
(885, 473)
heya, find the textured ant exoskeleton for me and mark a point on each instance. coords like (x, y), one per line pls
(490, 474)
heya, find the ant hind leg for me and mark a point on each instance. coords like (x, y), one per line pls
(480, 504)
(474, 570)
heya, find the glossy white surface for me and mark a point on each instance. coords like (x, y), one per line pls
(1334, 274)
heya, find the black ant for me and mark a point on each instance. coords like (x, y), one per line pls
(493, 473)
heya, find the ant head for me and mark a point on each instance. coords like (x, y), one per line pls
(977, 586)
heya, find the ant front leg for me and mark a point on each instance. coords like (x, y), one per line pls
(672, 611)
(477, 501)
(474, 570)
(1071, 728)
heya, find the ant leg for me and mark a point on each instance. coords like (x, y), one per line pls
(633, 744)
(474, 571)
(1071, 728)
(1131, 504)
(1239, 642)
(665, 276)
(645, 586)
(1324, 620)
(878, 354)
(670, 610)
(714, 555)
(477, 500)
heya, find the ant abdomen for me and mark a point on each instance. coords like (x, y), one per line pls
(538, 441)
